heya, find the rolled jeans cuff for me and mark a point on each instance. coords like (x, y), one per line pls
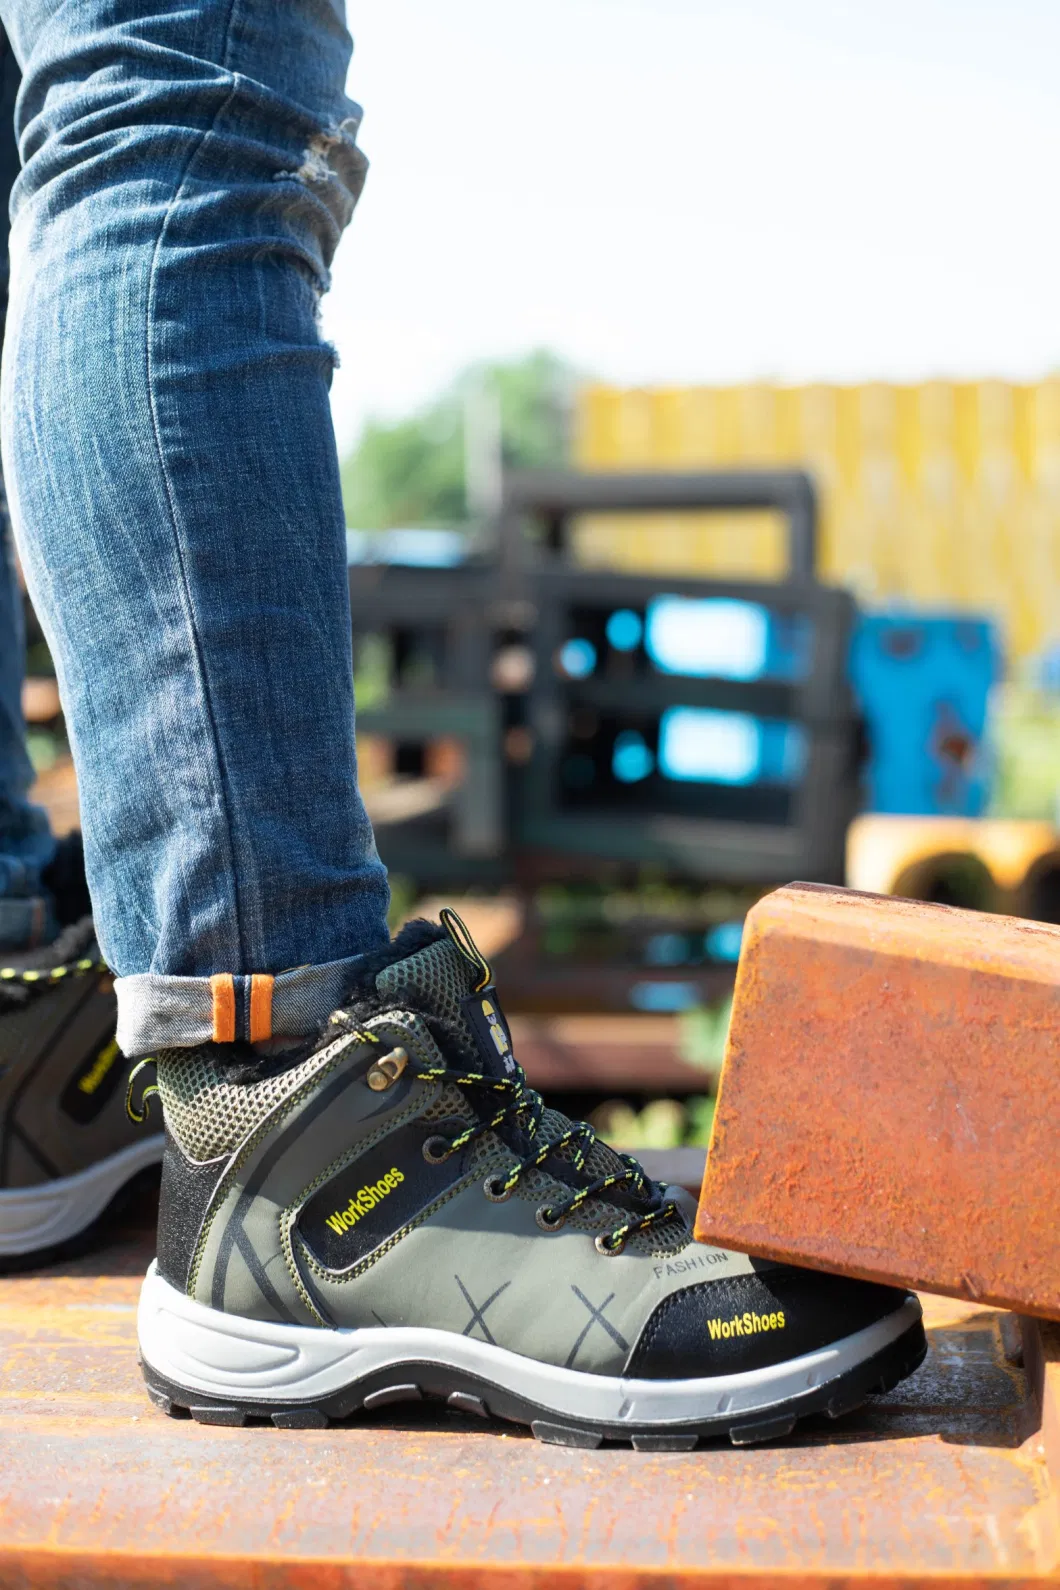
(157, 1012)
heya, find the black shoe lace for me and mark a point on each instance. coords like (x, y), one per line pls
(18, 984)
(522, 1107)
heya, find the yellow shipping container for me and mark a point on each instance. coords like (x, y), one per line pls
(945, 494)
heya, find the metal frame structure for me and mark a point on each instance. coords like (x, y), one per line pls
(465, 838)
(554, 498)
(811, 846)
(502, 823)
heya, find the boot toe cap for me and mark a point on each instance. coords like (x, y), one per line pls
(755, 1321)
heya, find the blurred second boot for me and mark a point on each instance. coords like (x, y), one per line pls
(67, 1144)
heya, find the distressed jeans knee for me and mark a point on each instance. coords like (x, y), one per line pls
(334, 163)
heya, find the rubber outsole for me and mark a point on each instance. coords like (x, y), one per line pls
(469, 1394)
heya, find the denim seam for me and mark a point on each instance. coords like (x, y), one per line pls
(187, 600)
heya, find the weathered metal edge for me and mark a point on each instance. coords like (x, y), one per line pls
(53, 1569)
(753, 1238)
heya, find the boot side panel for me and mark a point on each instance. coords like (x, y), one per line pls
(184, 1199)
(487, 1270)
(62, 1094)
(245, 1264)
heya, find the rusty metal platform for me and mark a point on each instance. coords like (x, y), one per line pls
(952, 1477)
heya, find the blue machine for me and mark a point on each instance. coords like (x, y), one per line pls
(923, 682)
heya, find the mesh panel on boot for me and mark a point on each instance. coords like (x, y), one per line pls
(596, 1215)
(210, 1116)
(440, 978)
(450, 1105)
(599, 1161)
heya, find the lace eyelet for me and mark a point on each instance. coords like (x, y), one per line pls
(436, 1149)
(495, 1190)
(608, 1248)
(542, 1217)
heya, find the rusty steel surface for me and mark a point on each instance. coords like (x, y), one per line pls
(890, 1097)
(946, 1477)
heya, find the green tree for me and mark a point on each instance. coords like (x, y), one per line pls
(412, 471)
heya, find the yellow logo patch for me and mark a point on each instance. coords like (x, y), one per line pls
(745, 1325)
(497, 1032)
(364, 1201)
(100, 1066)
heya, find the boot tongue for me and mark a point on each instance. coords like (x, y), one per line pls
(451, 980)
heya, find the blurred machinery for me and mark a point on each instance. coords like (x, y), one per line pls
(429, 718)
(636, 756)
(923, 682)
(679, 745)
(705, 728)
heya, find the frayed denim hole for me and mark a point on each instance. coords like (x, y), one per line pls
(333, 167)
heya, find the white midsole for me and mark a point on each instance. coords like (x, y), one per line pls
(201, 1349)
(53, 1211)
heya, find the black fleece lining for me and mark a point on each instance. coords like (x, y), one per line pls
(364, 1001)
(414, 936)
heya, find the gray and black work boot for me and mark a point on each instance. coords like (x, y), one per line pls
(67, 1145)
(396, 1215)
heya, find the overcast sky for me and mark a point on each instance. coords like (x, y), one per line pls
(700, 191)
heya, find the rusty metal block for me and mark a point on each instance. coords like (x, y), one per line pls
(890, 1100)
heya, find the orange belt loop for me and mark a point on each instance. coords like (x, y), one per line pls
(261, 1006)
(224, 1007)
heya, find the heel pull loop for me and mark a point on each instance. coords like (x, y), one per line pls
(467, 946)
(149, 1093)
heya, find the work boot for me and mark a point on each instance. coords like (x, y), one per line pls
(393, 1214)
(67, 1145)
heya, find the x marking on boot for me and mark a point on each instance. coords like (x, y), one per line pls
(596, 1317)
(476, 1311)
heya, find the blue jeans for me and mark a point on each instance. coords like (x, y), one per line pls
(26, 844)
(173, 482)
